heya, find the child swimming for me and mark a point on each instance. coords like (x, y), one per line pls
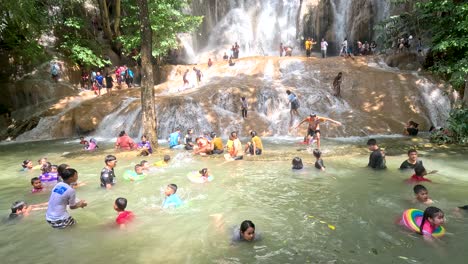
(172, 199)
(319, 162)
(164, 162)
(421, 194)
(246, 232)
(37, 185)
(204, 173)
(145, 165)
(27, 165)
(136, 175)
(297, 163)
(49, 173)
(123, 217)
(418, 176)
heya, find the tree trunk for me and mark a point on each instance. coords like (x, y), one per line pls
(465, 93)
(117, 18)
(105, 18)
(147, 80)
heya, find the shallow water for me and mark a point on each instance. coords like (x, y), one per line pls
(295, 211)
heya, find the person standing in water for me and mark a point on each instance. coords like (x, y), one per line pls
(377, 157)
(337, 85)
(313, 130)
(323, 48)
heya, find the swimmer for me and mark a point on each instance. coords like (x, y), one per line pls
(92, 145)
(319, 162)
(204, 174)
(297, 163)
(136, 175)
(107, 173)
(27, 165)
(124, 217)
(421, 194)
(61, 196)
(418, 176)
(83, 141)
(20, 209)
(433, 218)
(413, 161)
(164, 162)
(172, 199)
(188, 139)
(174, 138)
(377, 157)
(145, 165)
(49, 173)
(37, 185)
(246, 232)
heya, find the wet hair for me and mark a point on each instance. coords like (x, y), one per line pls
(43, 158)
(430, 212)
(109, 158)
(18, 205)
(317, 153)
(46, 167)
(138, 166)
(419, 170)
(167, 158)
(245, 225)
(61, 168)
(122, 133)
(203, 171)
(419, 188)
(121, 203)
(253, 133)
(25, 163)
(143, 162)
(34, 179)
(313, 115)
(297, 163)
(412, 151)
(173, 187)
(371, 142)
(68, 173)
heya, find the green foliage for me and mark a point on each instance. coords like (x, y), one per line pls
(457, 130)
(447, 24)
(167, 20)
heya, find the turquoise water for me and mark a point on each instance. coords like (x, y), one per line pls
(343, 215)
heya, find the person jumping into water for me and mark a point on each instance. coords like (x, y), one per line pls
(313, 130)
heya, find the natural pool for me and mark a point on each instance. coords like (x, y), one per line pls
(292, 210)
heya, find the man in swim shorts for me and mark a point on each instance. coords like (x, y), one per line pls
(313, 130)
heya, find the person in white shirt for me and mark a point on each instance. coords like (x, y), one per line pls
(323, 48)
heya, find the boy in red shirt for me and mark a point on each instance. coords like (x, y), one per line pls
(123, 217)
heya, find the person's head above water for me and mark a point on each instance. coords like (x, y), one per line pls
(434, 216)
(297, 163)
(317, 153)
(170, 189)
(167, 158)
(139, 169)
(421, 193)
(247, 230)
(68, 175)
(18, 207)
(412, 155)
(110, 161)
(27, 164)
(120, 204)
(204, 172)
(372, 144)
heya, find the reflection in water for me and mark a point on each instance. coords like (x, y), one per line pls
(345, 214)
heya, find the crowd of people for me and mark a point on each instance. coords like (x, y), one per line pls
(95, 81)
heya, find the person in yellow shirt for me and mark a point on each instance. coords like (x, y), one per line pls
(163, 163)
(255, 147)
(216, 144)
(308, 46)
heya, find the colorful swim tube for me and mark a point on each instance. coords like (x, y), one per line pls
(133, 176)
(412, 219)
(194, 176)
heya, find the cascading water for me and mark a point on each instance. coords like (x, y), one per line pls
(123, 118)
(341, 13)
(258, 26)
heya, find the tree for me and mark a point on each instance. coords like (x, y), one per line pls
(147, 83)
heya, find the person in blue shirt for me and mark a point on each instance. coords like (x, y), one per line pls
(174, 138)
(172, 199)
(99, 81)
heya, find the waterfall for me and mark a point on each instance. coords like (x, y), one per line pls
(437, 104)
(257, 26)
(341, 9)
(123, 118)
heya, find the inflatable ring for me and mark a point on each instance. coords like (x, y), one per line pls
(195, 177)
(412, 219)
